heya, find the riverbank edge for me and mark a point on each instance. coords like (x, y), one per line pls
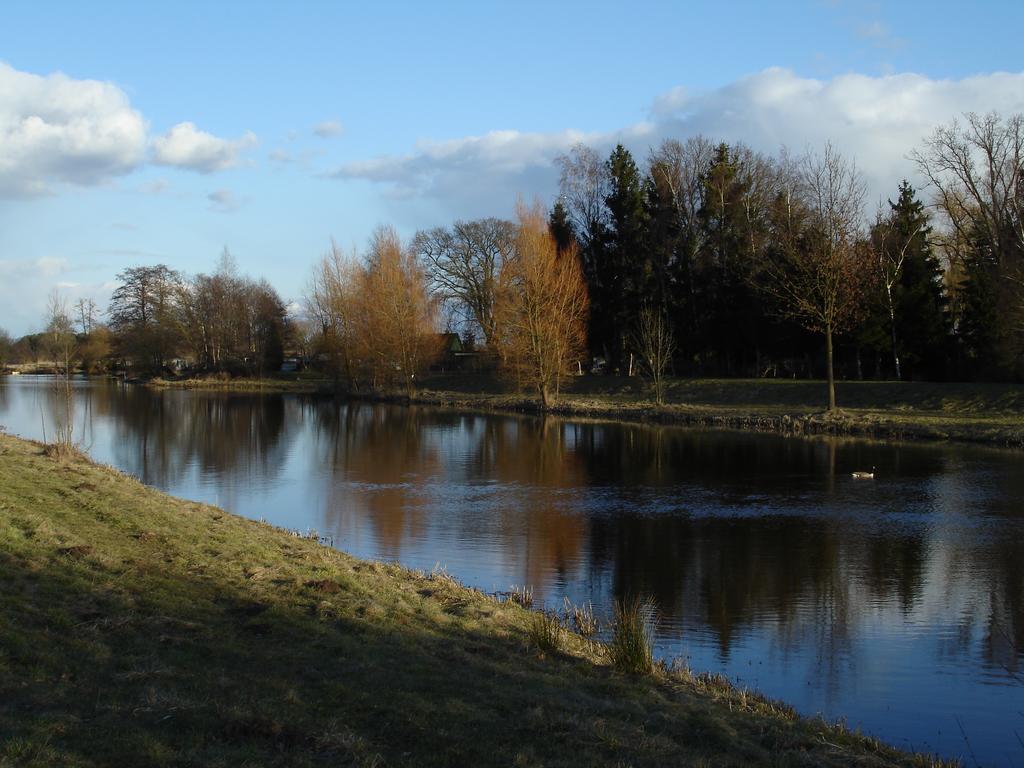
(842, 423)
(1001, 432)
(86, 503)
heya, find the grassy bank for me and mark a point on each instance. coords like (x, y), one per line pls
(981, 413)
(990, 414)
(138, 629)
(272, 383)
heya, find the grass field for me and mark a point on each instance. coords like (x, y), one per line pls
(138, 629)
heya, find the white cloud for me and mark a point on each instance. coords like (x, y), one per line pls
(471, 175)
(55, 129)
(328, 129)
(876, 120)
(223, 201)
(185, 146)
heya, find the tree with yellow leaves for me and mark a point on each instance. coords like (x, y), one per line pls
(541, 307)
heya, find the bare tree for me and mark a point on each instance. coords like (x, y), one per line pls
(331, 305)
(891, 247)
(60, 336)
(85, 313)
(541, 310)
(6, 349)
(656, 343)
(143, 313)
(677, 170)
(462, 266)
(583, 186)
(822, 269)
(976, 171)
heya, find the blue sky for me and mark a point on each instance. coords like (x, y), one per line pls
(177, 130)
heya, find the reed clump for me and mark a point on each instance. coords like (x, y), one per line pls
(546, 631)
(581, 618)
(631, 648)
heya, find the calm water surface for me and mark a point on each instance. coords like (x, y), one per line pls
(897, 604)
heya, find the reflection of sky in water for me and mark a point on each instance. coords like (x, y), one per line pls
(897, 604)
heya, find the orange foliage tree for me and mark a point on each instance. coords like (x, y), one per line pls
(541, 307)
(395, 316)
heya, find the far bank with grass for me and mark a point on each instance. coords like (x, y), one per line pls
(139, 629)
(991, 414)
(984, 413)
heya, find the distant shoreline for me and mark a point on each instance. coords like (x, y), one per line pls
(986, 424)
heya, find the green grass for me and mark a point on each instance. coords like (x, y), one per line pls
(138, 629)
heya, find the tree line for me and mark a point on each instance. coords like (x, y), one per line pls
(704, 259)
(752, 259)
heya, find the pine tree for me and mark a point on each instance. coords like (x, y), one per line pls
(627, 271)
(560, 227)
(911, 289)
(733, 307)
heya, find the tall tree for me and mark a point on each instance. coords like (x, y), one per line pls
(583, 189)
(626, 271)
(143, 314)
(462, 265)
(911, 286)
(675, 236)
(331, 298)
(976, 170)
(821, 268)
(541, 312)
(396, 316)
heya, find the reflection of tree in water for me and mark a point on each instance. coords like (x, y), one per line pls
(894, 566)
(161, 435)
(382, 449)
(727, 574)
(536, 456)
(393, 465)
(1003, 642)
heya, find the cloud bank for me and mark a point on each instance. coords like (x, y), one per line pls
(57, 130)
(875, 120)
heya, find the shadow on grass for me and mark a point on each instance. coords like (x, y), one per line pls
(190, 672)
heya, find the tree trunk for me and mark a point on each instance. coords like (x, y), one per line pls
(543, 388)
(895, 350)
(828, 365)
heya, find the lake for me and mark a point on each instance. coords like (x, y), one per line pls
(896, 604)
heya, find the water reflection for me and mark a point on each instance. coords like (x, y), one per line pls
(897, 603)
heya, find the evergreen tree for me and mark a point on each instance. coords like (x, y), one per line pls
(732, 307)
(560, 227)
(922, 327)
(979, 321)
(626, 272)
